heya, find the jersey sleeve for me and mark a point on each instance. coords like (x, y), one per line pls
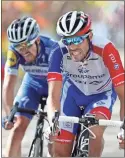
(12, 63)
(113, 62)
(55, 64)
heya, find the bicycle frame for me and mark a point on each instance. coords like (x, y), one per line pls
(38, 132)
(81, 148)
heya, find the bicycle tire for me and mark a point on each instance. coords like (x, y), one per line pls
(38, 147)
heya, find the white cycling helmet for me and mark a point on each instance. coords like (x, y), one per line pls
(73, 22)
(23, 29)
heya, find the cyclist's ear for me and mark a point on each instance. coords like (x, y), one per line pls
(90, 35)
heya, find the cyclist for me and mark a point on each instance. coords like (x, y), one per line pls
(30, 50)
(86, 71)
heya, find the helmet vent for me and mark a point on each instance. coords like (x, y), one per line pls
(27, 30)
(76, 24)
(61, 27)
(32, 31)
(21, 33)
(12, 34)
(23, 29)
(68, 21)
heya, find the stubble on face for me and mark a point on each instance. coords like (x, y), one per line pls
(29, 54)
(78, 52)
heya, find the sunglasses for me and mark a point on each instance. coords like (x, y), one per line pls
(23, 45)
(74, 40)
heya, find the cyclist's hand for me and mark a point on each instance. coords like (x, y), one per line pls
(50, 133)
(7, 125)
(53, 131)
(121, 139)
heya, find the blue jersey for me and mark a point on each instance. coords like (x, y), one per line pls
(34, 84)
(37, 68)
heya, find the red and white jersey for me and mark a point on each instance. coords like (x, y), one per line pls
(96, 74)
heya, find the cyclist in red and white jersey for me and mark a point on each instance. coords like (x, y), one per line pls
(87, 72)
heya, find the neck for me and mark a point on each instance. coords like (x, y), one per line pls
(88, 52)
(87, 55)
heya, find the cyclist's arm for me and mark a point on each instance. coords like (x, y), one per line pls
(8, 92)
(113, 62)
(54, 82)
(53, 100)
(11, 69)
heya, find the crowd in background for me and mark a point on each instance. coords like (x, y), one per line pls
(107, 17)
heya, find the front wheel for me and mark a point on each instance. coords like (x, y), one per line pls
(38, 147)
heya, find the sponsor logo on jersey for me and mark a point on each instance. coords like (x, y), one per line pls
(84, 82)
(84, 76)
(95, 82)
(43, 57)
(68, 125)
(116, 84)
(11, 58)
(36, 70)
(63, 140)
(112, 58)
(81, 69)
(116, 66)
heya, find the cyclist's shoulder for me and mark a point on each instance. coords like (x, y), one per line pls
(12, 56)
(47, 41)
(102, 45)
(58, 52)
(60, 48)
(12, 49)
(100, 41)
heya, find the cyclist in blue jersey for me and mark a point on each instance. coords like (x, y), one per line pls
(30, 50)
(87, 72)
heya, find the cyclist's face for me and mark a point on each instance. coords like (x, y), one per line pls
(79, 52)
(29, 53)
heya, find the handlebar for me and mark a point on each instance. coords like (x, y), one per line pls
(16, 108)
(91, 120)
(88, 119)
